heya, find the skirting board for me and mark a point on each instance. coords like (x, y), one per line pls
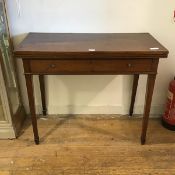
(7, 132)
(155, 110)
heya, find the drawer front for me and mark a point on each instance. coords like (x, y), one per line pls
(90, 66)
(123, 65)
(60, 66)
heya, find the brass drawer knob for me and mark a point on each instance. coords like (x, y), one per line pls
(129, 65)
(52, 65)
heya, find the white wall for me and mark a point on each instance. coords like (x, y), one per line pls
(97, 94)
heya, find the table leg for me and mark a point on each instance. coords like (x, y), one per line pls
(43, 98)
(30, 91)
(149, 92)
(134, 90)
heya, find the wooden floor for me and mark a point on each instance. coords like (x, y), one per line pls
(90, 145)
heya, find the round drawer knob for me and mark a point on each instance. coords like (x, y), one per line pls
(52, 65)
(129, 65)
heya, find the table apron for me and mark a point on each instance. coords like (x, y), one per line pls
(90, 67)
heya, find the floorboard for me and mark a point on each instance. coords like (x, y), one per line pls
(89, 145)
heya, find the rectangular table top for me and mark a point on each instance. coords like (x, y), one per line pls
(90, 45)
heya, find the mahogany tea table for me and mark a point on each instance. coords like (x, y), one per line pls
(90, 54)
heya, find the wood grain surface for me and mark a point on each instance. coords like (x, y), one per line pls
(90, 54)
(90, 145)
(82, 45)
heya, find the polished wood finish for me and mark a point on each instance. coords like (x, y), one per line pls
(90, 66)
(77, 45)
(149, 92)
(29, 84)
(43, 98)
(90, 54)
(134, 91)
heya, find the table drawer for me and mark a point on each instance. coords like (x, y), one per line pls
(60, 66)
(90, 66)
(123, 65)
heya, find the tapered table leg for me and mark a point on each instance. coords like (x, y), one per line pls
(149, 92)
(42, 89)
(134, 91)
(30, 91)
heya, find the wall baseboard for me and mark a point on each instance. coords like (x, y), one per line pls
(7, 133)
(155, 110)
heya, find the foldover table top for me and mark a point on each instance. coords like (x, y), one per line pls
(90, 54)
(90, 45)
